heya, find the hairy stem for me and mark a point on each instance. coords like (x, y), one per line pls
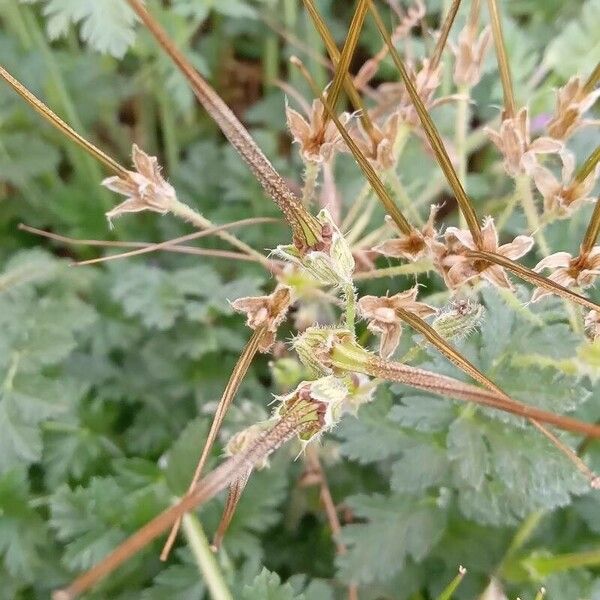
(305, 227)
(523, 189)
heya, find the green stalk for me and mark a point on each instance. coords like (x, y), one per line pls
(453, 585)
(540, 567)
(350, 299)
(415, 268)
(270, 59)
(520, 538)
(523, 189)
(168, 129)
(205, 558)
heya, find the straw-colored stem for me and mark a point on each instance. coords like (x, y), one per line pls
(593, 229)
(207, 488)
(532, 277)
(588, 166)
(462, 125)
(59, 124)
(235, 380)
(334, 55)
(205, 559)
(187, 213)
(444, 33)
(432, 133)
(510, 106)
(414, 268)
(305, 227)
(592, 80)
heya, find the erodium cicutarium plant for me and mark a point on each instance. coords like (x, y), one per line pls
(424, 339)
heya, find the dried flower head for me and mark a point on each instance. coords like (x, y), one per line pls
(569, 271)
(562, 196)
(514, 141)
(379, 146)
(381, 312)
(333, 264)
(469, 53)
(415, 245)
(318, 140)
(457, 268)
(266, 311)
(572, 102)
(145, 188)
(592, 324)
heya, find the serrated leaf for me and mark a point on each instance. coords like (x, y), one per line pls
(576, 49)
(107, 26)
(372, 436)
(268, 586)
(419, 468)
(397, 527)
(468, 452)
(423, 413)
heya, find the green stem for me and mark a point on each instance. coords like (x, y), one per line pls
(523, 533)
(523, 189)
(401, 195)
(462, 124)
(205, 558)
(311, 174)
(542, 566)
(420, 266)
(350, 299)
(452, 586)
(270, 59)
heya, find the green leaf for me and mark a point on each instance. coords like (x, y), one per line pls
(468, 452)
(419, 468)
(576, 49)
(397, 527)
(268, 586)
(107, 26)
(22, 533)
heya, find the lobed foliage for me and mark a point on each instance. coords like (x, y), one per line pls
(110, 374)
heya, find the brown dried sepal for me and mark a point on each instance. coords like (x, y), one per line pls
(265, 311)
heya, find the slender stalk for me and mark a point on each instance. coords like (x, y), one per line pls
(185, 212)
(311, 174)
(112, 244)
(205, 558)
(444, 33)
(522, 535)
(162, 245)
(342, 66)
(350, 299)
(462, 125)
(523, 191)
(356, 206)
(467, 367)
(415, 268)
(453, 585)
(366, 167)
(335, 56)
(359, 360)
(432, 133)
(59, 124)
(510, 106)
(305, 227)
(546, 565)
(588, 166)
(592, 80)
(207, 488)
(593, 229)
(233, 385)
(532, 277)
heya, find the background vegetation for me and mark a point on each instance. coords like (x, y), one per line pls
(111, 373)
